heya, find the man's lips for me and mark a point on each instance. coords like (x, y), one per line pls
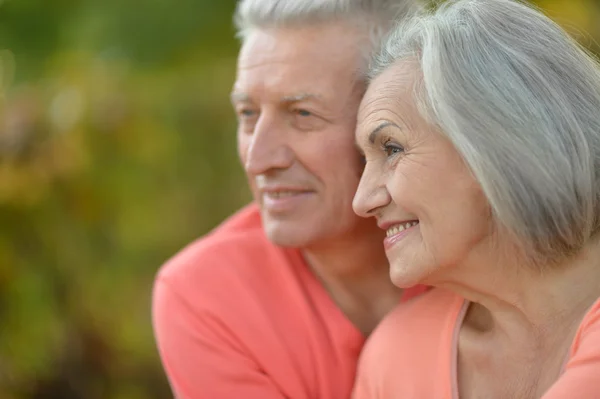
(282, 199)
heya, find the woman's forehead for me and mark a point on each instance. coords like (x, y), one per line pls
(389, 93)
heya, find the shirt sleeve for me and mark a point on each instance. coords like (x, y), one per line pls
(581, 378)
(202, 357)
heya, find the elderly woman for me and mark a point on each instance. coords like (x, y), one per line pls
(481, 133)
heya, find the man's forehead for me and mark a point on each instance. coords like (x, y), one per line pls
(329, 44)
(298, 82)
(274, 46)
(274, 67)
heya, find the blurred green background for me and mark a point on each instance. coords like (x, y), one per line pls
(117, 148)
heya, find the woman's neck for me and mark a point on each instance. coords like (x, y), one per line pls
(514, 298)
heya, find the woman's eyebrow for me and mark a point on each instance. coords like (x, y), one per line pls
(377, 130)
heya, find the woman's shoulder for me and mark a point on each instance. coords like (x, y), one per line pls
(412, 343)
(588, 333)
(414, 325)
(580, 375)
(432, 308)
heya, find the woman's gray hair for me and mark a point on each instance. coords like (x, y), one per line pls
(520, 101)
(376, 16)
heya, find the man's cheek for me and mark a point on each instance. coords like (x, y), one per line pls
(242, 150)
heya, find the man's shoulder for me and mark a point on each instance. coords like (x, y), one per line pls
(234, 248)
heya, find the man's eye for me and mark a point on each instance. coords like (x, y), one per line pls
(247, 113)
(303, 112)
(305, 120)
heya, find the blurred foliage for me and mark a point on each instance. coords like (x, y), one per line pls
(117, 148)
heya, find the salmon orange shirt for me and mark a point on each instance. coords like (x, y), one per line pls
(238, 317)
(413, 353)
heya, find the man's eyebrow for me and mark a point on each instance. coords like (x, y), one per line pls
(239, 97)
(300, 97)
(243, 97)
(379, 128)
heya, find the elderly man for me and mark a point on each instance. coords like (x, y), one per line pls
(277, 301)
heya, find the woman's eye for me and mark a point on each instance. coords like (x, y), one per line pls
(392, 149)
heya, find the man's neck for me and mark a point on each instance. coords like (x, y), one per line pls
(355, 273)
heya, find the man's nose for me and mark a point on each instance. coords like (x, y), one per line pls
(269, 147)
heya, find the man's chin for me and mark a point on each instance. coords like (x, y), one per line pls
(290, 234)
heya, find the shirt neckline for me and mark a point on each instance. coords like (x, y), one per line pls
(460, 317)
(341, 324)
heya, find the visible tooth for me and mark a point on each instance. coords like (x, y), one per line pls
(279, 194)
(401, 227)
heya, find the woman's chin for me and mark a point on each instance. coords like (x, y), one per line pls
(404, 275)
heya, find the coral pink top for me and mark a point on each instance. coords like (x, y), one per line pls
(238, 317)
(413, 353)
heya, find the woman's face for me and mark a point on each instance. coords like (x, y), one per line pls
(415, 183)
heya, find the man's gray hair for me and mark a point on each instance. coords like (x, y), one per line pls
(376, 16)
(520, 101)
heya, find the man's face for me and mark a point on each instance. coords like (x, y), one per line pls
(296, 97)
